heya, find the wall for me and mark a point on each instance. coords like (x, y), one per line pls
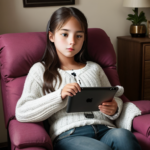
(106, 14)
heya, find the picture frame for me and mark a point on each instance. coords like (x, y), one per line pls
(148, 28)
(41, 3)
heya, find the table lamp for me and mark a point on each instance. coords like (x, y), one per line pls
(137, 29)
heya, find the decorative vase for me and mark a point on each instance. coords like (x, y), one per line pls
(138, 30)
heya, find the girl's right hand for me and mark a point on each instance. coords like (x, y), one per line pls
(70, 90)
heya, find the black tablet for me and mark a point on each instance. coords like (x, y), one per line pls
(90, 98)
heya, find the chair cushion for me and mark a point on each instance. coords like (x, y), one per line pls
(143, 141)
(142, 124)
(23, 135)
(100, 48)
(19, 51)
(11, 92)
(138, 125)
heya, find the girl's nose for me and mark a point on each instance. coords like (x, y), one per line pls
(72, 40)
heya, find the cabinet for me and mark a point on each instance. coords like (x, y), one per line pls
(133, 65)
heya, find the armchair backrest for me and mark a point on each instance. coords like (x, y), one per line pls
(19, 51)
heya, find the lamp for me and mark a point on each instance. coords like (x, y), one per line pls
(137, 29)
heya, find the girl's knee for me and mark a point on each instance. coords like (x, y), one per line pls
(124, 139)
(122, 134)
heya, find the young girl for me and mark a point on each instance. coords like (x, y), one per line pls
(50, 82)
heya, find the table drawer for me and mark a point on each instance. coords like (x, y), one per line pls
(147, 52)
(147, 70)
(146, 90)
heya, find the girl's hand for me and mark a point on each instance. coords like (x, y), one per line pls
(108, 108)
(70, 90)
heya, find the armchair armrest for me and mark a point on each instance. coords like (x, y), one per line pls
(143, 105)
(24, 135)
(142, 124)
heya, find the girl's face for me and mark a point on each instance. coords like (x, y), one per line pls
(68, 40)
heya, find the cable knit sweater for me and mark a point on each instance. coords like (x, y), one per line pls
(34, 106)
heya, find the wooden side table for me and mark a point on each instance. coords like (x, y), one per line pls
(133, 64)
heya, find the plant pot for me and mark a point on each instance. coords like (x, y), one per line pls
(138, 30)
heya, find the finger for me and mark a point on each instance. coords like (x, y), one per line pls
(78, 87)
(107, 103)
(109, 108)
(70, 90)
(107, 112)
(69, 94)
(112, 102)
(73, 87)
(106, 107)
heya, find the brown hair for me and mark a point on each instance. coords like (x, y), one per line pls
(50, 58)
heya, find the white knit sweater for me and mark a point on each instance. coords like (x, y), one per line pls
(34, 106)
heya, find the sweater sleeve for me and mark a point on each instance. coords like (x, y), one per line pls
(105, 83)
(32, 105)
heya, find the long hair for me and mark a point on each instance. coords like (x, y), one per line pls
(50, 58)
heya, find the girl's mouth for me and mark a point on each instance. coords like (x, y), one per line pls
(70, 49)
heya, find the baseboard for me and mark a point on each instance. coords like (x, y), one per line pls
(5, 144)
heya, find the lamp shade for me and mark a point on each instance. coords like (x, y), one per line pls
(136, 3)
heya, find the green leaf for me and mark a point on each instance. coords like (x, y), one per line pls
(130, 15)
(142, 14)
(135, 19)
(135, 12)
(129, 19)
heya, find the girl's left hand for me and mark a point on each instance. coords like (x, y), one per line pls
(108, 108)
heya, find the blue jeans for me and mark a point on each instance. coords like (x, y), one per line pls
(96, 137)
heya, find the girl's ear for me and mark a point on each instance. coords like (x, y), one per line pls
(51, 36)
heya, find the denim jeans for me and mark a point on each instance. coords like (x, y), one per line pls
(96, 137)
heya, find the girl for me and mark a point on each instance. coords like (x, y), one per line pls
(50, 81)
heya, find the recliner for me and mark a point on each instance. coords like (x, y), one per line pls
(19, 51)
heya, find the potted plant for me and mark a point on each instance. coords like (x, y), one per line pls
(137, 29)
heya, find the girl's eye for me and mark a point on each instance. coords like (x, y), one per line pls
(64, 34)
(79, 36)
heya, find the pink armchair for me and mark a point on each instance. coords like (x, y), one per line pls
(18, 52)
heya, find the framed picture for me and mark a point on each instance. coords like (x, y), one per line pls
(39, 3)
(148, 28)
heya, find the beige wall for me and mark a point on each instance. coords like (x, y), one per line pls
(109, 15)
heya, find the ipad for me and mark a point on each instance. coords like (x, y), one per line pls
(89, 98)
